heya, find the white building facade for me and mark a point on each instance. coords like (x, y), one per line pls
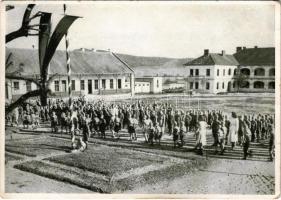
(152, 85)
(211, 73)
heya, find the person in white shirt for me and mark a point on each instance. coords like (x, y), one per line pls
(233, 129)
(201, 133)
(147, 124)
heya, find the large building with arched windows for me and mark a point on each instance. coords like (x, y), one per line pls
(258, 66)
(248, 70)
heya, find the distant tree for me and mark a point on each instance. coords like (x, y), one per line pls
(167, 81)
(47, 46)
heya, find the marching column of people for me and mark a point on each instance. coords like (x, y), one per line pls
(96, 118)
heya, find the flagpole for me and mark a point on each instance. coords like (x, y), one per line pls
(189, 95)
(67, 61)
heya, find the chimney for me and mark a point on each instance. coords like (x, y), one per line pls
(244, 48)
(108, 50)
(238, 49)
(223, 52)
(256, 47)
(206, 52)
(93, 50)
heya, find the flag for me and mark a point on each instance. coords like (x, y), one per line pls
(44, 35)
(56, 37)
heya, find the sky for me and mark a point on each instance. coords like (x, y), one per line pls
(166, 29)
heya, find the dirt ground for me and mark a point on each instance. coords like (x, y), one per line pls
(220, 177)
(24, 182)
(240, 103)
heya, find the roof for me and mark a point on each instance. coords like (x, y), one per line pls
(213, 59)
(146, 77)
(256, 56)
(88, 62)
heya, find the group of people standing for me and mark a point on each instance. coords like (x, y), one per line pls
(154, 120)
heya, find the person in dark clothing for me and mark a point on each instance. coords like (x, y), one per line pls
(253, 129)
(102, 126)
(126, 118)
(177, 117)
(246, 140)
(187, 121)
(181, 137)
(107, 117)
(158, 133)
(210, 118)
(117, 127)
(141, 117)
(215, 131)
(240, 131)
(258, 130)
(193, 122)
(176, 132)
(54, 122)
(227, 126)
(95, 124)
(151, 133)
(121, 116)
(132, 128)
(170, 120)
(153, 117)
(271, 143)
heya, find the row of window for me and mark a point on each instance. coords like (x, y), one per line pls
(245, 71)
(157, 84)
(195, 85)
(141, 84)
(257, 85)
(258, 72)
(17, 85)
(90, 84)
(82, 85)
(195, 72)
(207, 85)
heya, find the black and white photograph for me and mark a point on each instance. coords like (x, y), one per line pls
(140, 98)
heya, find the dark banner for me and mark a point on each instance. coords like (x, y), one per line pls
(57, 35)
(44, 35)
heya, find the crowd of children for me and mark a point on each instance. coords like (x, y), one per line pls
(154, 120)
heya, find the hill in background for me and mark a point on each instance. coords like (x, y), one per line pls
(153, 66)
(142, 65)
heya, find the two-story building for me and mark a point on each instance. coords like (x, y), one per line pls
(211, 72)
(258, 64)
